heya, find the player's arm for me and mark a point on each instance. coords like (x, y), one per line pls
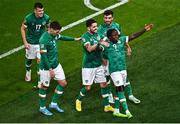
(68, 38)
(91, 48)
(23, 34)
(44, 57)
(128, 48)
(137, 34)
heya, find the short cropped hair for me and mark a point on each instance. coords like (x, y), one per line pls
(55, 25)
(110, 31)
(38, 5)
(108, 12)
(89, 22)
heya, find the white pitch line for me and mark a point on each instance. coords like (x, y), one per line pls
(89, 5)
(69, 26)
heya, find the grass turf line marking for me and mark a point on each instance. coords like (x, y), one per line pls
(89, 5)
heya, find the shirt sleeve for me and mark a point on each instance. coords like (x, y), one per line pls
(85, 41)
(124, 39)
(65, 38)
(43, 51)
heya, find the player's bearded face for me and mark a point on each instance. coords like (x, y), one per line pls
(93, 28)
(39, 12)
(108, 19)
(114, 37)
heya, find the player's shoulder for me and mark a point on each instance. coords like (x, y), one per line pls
(46, 16)
(123, 38)
(115, 24)
(85, 35)
(44, 37)
(29, 16)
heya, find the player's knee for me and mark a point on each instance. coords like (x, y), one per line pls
(38, 61)
(103, 85)
(88, 88)
(42, 86)
(120, 88)
(63, 83)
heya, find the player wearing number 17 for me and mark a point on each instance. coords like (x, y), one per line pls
(32, 28)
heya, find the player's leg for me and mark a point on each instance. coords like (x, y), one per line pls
(87, 80)
(38, 62)
(117, 78)
(105, 95)
(128, 90)
(30, 54)
(28, 63)
(84, 90)
(116, 112)
(101, 79)
(45, 81)
(108, 79)
(58, 92)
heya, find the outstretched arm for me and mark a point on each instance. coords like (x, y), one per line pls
(147, 27)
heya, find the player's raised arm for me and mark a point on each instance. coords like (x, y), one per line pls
(147, 27)
(68, 38)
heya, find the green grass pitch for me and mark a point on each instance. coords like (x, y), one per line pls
(153, 68)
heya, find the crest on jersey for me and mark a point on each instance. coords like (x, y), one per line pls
(43, 23)
(83, 40)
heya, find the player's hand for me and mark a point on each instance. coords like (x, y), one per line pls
(77, 38)
(148, 27)
(27, 46)
(129, 51)
(102, 42)
(51, 72)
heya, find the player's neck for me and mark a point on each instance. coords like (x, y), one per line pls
(91, 32)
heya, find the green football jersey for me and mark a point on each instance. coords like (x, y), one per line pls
(35, 27)
(49, 45)
(103, 28)
(115, 53)
(91, 59)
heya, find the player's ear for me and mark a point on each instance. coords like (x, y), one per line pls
(88, 28)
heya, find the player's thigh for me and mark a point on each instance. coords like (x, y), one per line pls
(88, 75)
(32, 52)
(117, 78)
(45, 78)
(100, 75)
(124, 76)
(59, 73)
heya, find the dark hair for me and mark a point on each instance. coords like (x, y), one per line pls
(110, 31)
(55, 25)
(38, 5)
(89, 22)
(108, 12)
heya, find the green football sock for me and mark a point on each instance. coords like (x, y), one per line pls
(28, 63)
(117, 103)
(128, 89)
(123, 100)
(42, 97)
(105, 94)
(82, 93)
(57, 93)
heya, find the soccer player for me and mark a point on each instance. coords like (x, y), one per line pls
(102, 30)
(92, 70)
(32, 28)
(117, 64)
(51, 68)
